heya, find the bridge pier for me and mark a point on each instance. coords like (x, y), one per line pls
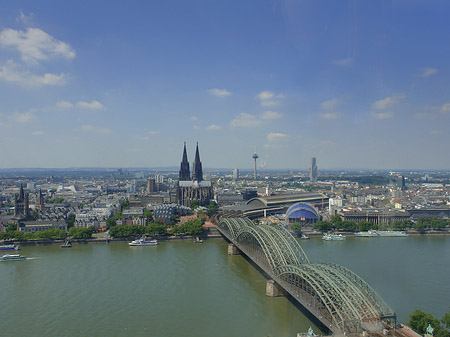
(273, 289)
(233, 250)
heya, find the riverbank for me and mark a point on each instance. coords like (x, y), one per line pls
(409, 232)
(210, 233)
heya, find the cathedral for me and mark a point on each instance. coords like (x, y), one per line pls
(193, 188)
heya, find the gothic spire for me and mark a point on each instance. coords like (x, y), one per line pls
(21, 193)
(197, 173)
(185, 174)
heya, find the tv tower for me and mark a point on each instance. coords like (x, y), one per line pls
(255, 156)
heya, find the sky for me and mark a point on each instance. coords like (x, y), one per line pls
(356, 84)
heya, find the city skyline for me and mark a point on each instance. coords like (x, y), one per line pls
(356, 84)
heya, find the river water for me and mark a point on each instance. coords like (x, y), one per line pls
(180, 288)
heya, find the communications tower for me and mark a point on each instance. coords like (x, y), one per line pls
(255, 156)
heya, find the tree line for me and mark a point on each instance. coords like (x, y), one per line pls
(422, 224)
(51, 234)
(190, 227)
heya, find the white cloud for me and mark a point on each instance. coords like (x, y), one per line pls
(95, 129)
(194, 118)
(12, 72)
(345, 62)
(196, 127)
(445, 108)
(331, 115)
(268, 115)
(94, 105)
(35, 45)
(387, 102)
(265, 95)
(270, 103)
(268, 98)
(429, 71)
(21, 117)
(383, 115)
(213, 127)
(273, 136)
(219, 92)
(435, 132)
(38, 133)
(330, 104)
(64, 105)
(245, 120)
(154, 132)
(25, 19)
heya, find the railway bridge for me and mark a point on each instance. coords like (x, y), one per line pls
(341, 300)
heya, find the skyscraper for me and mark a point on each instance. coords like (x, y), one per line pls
(313, 170)
(236, 174)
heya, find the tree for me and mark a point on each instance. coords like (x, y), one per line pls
(124, 231)
(53, 233)
(419, 320)
(194, 204)
(148, 215)
(212, 208)
(296, 227)
(70, 221)
(81, 233)
(446, 320)
(324, 226)
(156, 229)
(124, 204)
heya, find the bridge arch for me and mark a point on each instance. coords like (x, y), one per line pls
(342, 300)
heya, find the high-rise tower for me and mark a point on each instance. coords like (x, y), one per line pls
(313, 170)
(185, 174)
(255, 156)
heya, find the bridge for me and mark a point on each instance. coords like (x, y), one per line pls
(341, 300)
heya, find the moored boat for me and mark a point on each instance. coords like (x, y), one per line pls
(9, 247)
(393, 233)
(12, 257)
(368, 234)
(143, 242)
(333, 237)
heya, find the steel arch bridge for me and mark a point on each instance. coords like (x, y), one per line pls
(335, 295)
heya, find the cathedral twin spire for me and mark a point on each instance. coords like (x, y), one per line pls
(197, 171)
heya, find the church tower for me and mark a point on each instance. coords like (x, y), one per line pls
(197, 174)
(195, 188)
(21, 202)
(184, 168)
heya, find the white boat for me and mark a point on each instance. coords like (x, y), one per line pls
(304, 237)
(368, 234)
(393, 233)
(143, 242)
(333, 237)
(12, 257)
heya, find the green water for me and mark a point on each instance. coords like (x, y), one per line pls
(179, 288)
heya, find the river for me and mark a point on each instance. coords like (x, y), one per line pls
(180, 288)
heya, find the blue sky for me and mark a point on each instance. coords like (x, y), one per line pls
(358, 84)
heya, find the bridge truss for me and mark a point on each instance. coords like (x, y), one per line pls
(335, 295)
